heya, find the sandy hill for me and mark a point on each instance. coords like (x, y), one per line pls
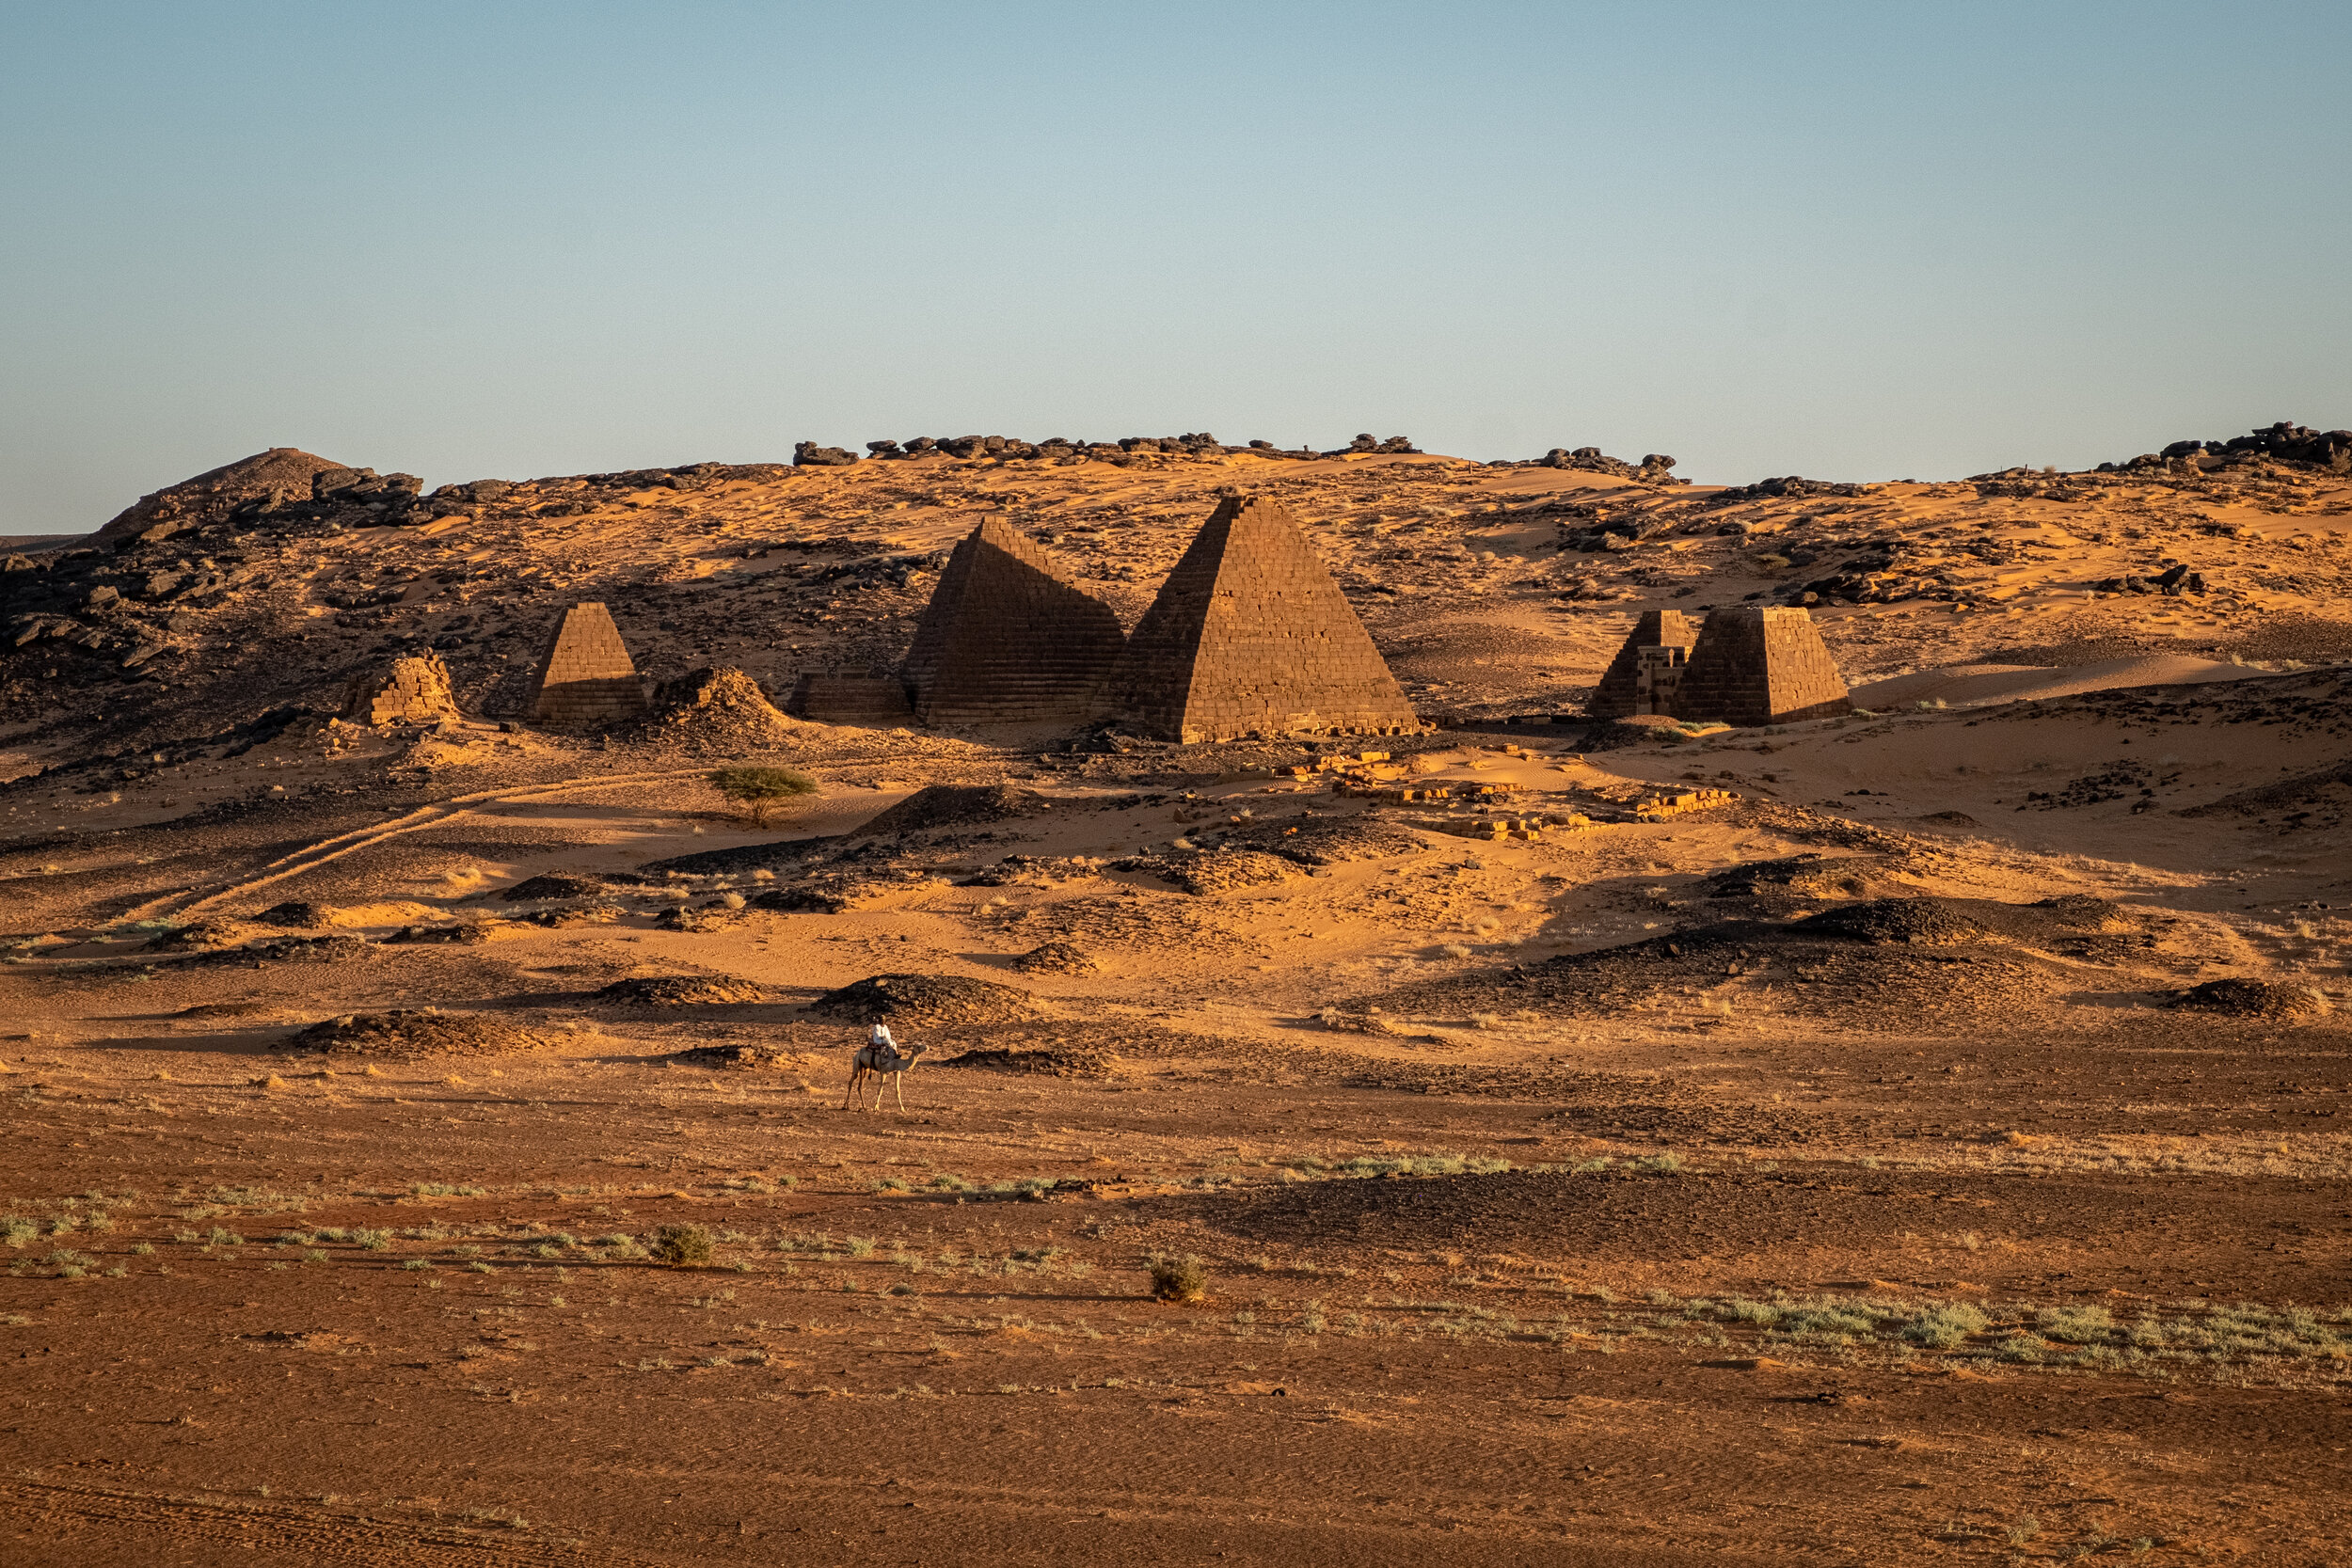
(1493, 587)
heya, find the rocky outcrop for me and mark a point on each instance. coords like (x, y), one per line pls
(2284, 442)
(281, 473)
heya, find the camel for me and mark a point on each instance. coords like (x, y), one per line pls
(886, 1063)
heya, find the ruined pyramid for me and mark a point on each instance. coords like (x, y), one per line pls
(1251, 636)
(1759, 666)
(1648, 668)
(585, 676)
(414, 690)
(1006, 640)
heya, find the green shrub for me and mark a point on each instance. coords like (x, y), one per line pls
(758, 791)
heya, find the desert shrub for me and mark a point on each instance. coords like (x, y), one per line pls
(2074, 1325)
(758, 791)
(681, 1246)
(1178, 1279)
(1942, 1327)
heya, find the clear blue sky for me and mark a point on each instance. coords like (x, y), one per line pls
(506, 238)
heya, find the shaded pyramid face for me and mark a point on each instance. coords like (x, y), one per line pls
(1756, 665)
(1249, 635)
(585, 674)
(1007, 640)
(1626, 688)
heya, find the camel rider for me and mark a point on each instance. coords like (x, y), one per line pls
(879, 1037)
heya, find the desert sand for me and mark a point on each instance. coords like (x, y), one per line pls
(1844, 1167)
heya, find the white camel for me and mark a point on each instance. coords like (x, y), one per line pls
(887, 1063)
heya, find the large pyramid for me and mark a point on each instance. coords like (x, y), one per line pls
(1759, 666)
(1648, 668)
(1006, 640)
(586, 676)
(1249, 635)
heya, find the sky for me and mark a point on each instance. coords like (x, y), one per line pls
(502, 238)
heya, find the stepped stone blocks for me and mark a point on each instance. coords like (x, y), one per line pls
(586, 676)
(850, 700)
(1251, 636)
(1648, 669)
(1759, 666)
(413, 691)
(1007, 640)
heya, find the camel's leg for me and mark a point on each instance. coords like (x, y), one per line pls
(856, 1074)
(901, 1082)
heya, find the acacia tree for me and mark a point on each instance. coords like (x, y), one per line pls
(758, 791)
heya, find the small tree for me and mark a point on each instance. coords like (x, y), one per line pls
(758, 791)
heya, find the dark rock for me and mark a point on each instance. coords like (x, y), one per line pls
(2249, 999)
(808, 454)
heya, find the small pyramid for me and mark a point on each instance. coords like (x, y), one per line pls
(1007, 640)
(414, 690)
(1249, 635)
(1648, 668)
(586, 676)
(1759, 666)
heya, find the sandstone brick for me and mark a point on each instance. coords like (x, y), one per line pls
(850, 700)
(414, 690)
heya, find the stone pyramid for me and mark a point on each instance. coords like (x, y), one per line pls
(1648, 668)
(414, 690)
(1759, 666)
(585, 676)
(1006, 640)
(1249, 635)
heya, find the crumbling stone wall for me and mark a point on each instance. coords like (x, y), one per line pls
(414, 690)
(850, 700)
(1626, 688)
